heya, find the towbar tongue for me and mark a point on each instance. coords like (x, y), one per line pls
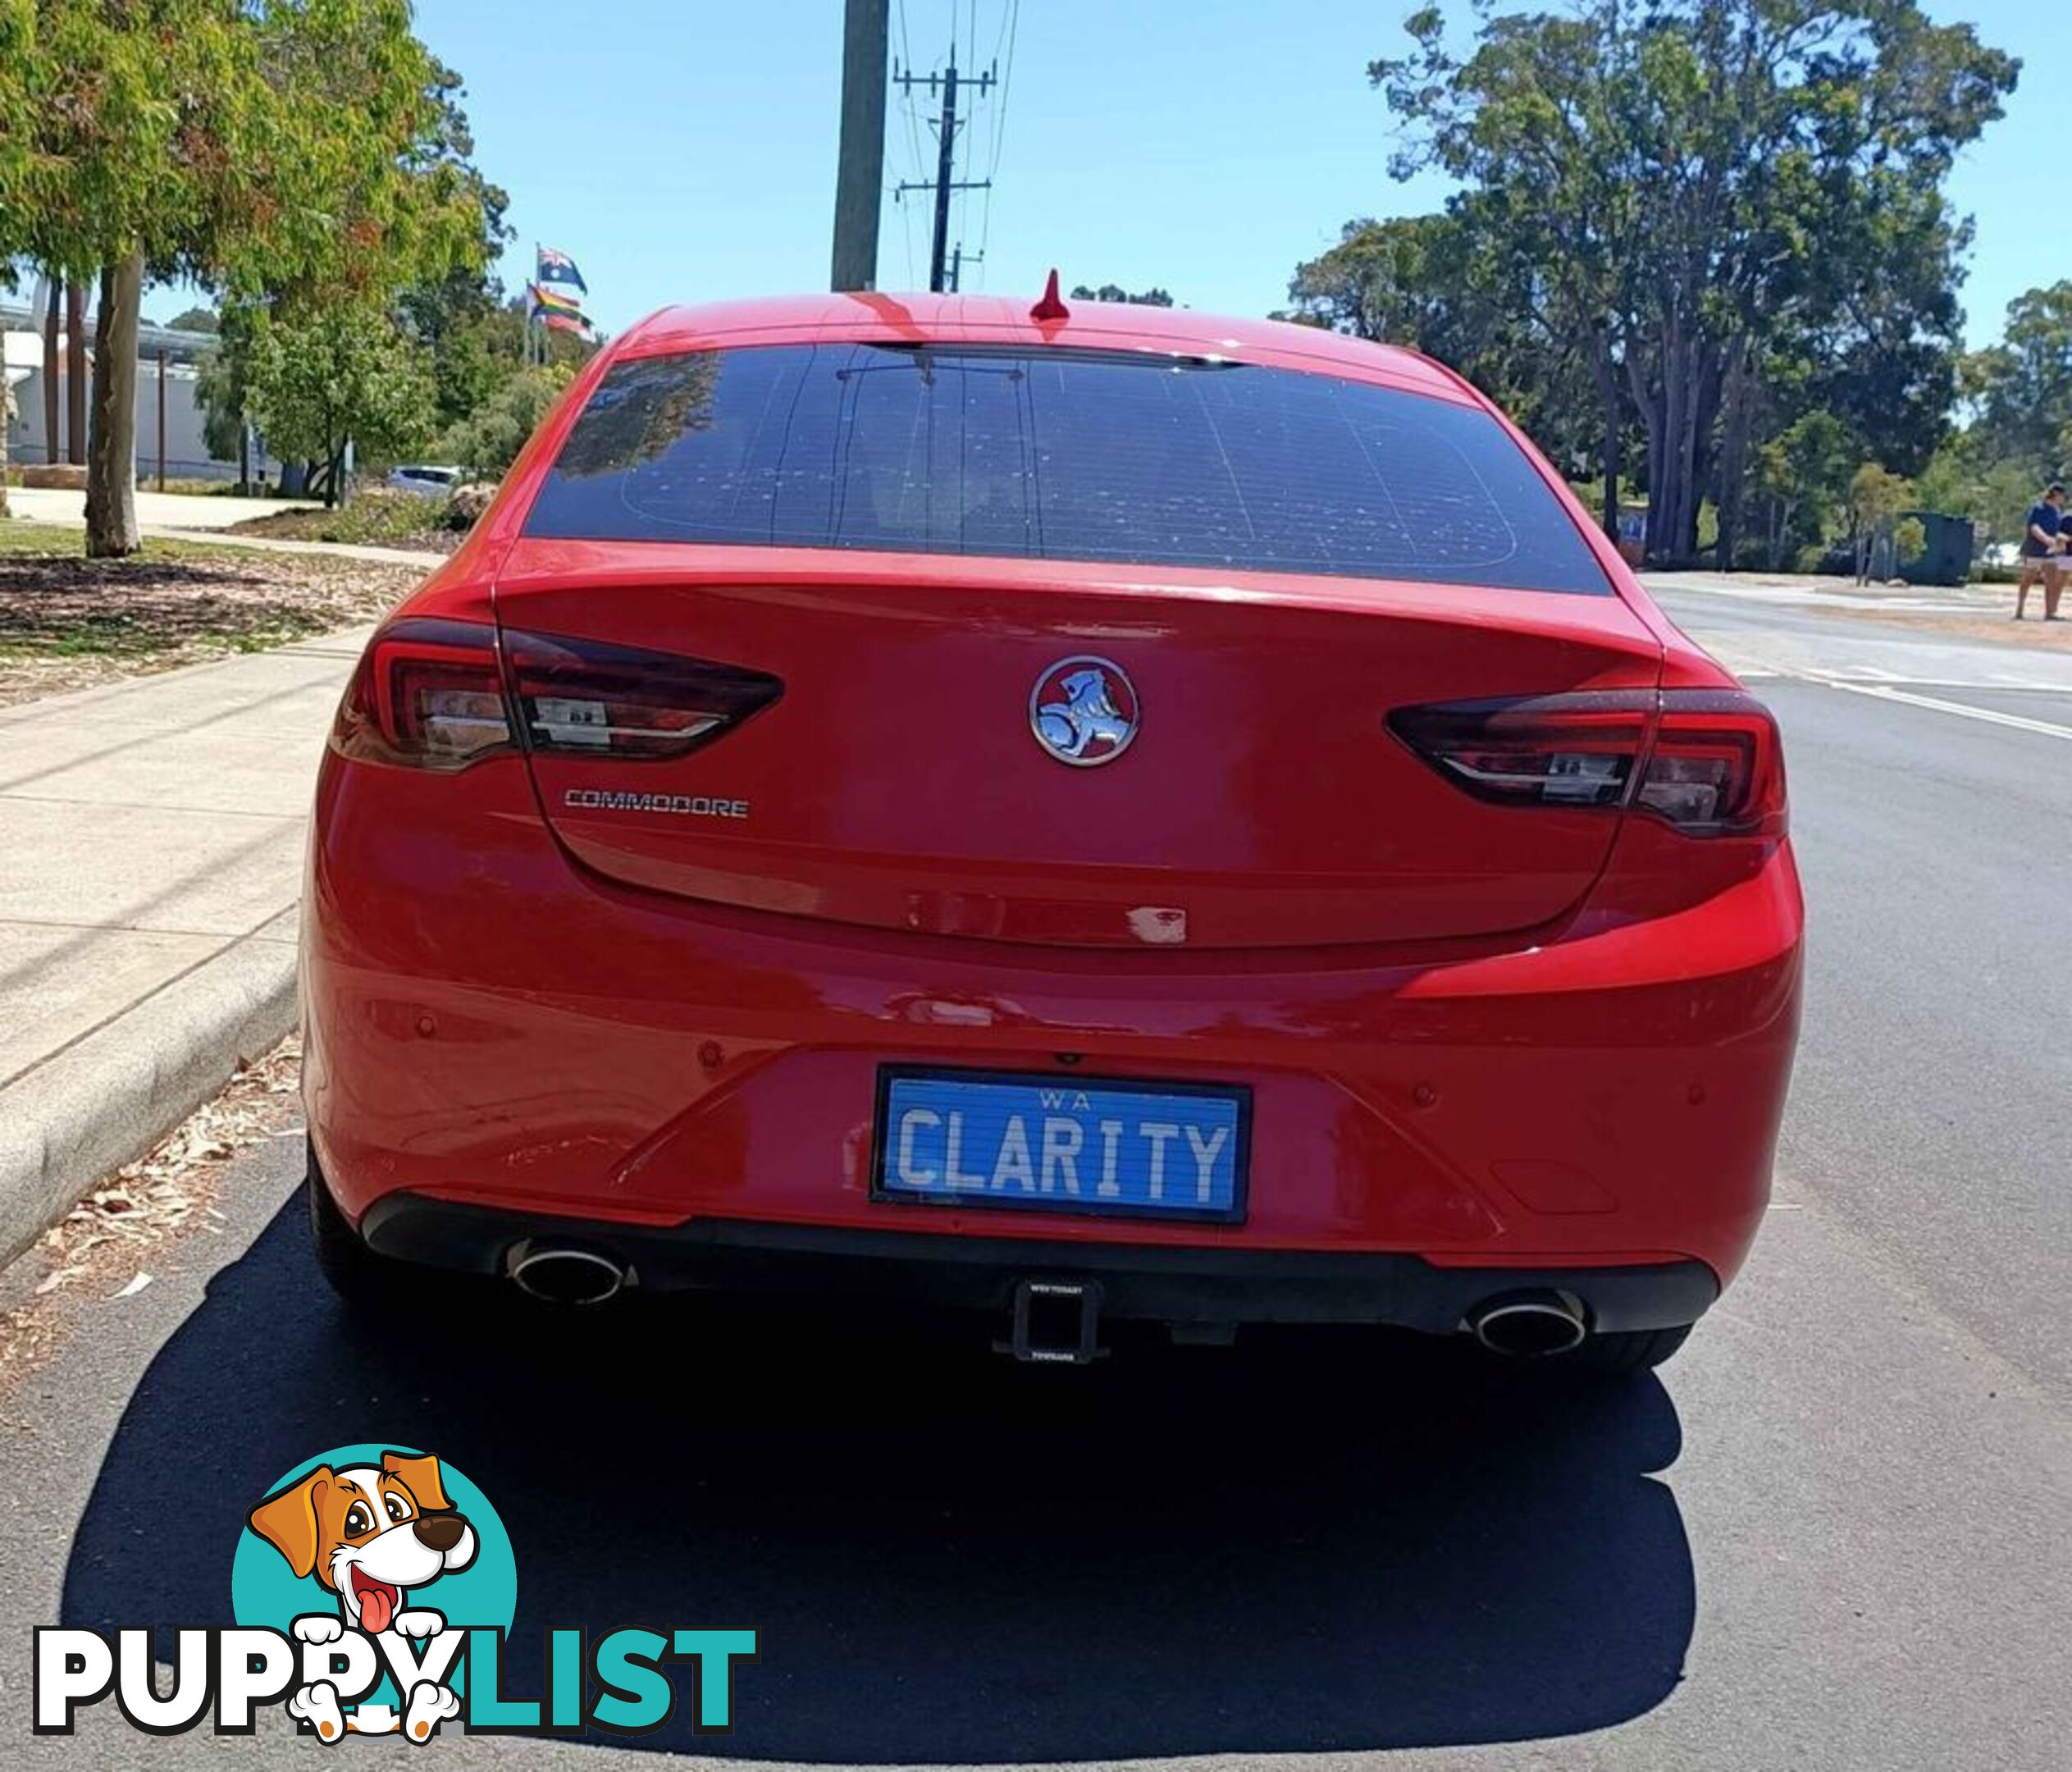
(1056, 1322)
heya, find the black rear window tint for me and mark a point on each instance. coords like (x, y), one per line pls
(1054, 455)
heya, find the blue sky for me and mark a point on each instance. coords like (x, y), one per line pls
(686, 151)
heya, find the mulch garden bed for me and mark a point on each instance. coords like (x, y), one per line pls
(68, 624)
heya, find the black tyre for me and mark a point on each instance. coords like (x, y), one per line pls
(362, 1279)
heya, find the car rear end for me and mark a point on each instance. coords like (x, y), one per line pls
(1056, 818)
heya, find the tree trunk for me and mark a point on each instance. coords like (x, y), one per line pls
(6, 411)
(1650, 404)
(1679, 408)
(1608, 394)
(75, 374)
(112, 436)
(1676, 435)
(1735, 400)
(1665, 467)
(1663, 392)
(1708, 374)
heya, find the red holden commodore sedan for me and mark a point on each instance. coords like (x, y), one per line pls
(1093, 815)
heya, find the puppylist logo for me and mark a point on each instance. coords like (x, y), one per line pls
(374, 1589)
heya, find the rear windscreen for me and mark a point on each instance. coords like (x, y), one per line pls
(1056, 455)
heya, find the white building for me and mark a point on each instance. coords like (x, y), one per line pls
(159, 350)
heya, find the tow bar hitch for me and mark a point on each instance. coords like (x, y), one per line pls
(1058, 1323)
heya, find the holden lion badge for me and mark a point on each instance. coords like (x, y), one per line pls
(1085, 711)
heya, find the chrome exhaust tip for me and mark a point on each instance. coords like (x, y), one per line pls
(1529, 1325)
(558, 1274)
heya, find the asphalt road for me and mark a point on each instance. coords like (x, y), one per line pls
(1833, 1533)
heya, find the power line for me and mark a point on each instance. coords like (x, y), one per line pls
(917, 158)
(1011, 25)
(1010, 12)
(917, 162)
(917, 165)
(906, 220)
(1010, 29)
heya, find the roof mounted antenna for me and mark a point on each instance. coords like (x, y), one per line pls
(1052, 305)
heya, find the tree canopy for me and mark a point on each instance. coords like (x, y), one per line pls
(487, 441)
(1153, 297)
(297, 153)
(1708, 217)
(346, 374)
(2022, 386)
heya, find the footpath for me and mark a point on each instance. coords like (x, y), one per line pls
(151, 851)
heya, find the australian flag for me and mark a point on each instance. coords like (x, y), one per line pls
(557, 266)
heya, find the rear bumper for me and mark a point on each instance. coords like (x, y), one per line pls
(490, 1027)
(980, 1273)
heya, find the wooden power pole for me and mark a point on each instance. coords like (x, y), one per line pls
(860, 176)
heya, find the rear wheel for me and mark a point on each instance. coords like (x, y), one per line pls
(361, 1278)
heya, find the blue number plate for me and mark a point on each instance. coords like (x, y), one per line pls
(1058, 1144)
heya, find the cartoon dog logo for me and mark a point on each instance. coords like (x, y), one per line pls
(370, 1534)
(1095, 719)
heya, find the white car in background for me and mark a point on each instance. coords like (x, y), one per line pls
(431, 481)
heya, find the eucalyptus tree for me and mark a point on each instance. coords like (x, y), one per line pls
(1694, 188)
(289, 150)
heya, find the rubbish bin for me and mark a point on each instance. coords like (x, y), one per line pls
(1945, 559)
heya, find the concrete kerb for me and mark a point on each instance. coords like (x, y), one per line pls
(106, 1100)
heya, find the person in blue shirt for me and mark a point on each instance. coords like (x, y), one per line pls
(2043, 541)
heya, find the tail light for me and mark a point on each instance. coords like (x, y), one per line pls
(1717, 769)
(427, 694)
(1707, 761)
(440, 695)
(593, 699)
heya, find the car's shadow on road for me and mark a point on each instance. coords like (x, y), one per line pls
(1302, 1545)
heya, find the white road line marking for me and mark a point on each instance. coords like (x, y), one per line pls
(1991, 716)
(1997, 685)
(2001, 683)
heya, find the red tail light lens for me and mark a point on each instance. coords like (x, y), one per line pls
(1717, 767)
(427, 695)
(1560, 749)
(590, 698)
(1707, 761)
(440, 695)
